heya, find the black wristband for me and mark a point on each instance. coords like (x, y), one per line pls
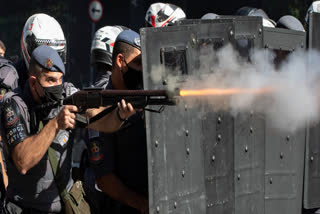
(119, 117)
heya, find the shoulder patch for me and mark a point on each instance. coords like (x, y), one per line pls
(14, 129)
(10, 116)
(95, 152)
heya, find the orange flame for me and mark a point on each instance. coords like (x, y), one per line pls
(222, 92)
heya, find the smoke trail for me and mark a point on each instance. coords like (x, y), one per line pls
(296, 81)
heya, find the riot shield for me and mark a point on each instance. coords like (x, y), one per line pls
(249, 141)
(249, 132)
(248, 33)
(190, 150)
(247, 30)
(284, 157)
(312, 160)
(201, 161)
(283, 39)
(314, 31)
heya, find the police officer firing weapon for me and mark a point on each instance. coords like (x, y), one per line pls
(101, 59)
(31, 132)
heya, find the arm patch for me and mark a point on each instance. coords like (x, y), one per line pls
(101, 154)
(13, 125)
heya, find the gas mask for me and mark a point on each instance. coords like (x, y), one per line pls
(133, 78)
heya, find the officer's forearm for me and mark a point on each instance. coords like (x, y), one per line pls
(4, 173)
(29, 152)
(109, 123)
(112, 186)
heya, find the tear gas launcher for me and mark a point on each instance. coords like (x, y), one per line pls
(95, 98)
(139, 99)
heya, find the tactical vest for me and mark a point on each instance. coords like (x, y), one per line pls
(37, 189)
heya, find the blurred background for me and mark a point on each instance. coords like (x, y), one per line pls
(78, 27)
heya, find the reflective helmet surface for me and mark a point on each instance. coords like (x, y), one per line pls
(290, 22)
(103, 42)
(251, 11)
(210, 16)
(163, 14)
(314, 8)
(42, 29)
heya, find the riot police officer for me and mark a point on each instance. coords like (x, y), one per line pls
(101, 59)
(120, 159)
(31, 128)
(163, 14)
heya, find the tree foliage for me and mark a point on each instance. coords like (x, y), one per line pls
(298, 8)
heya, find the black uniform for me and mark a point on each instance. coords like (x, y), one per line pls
(123, 153)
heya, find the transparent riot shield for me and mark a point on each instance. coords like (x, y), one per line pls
(190, 150)
(284, 157)
(312, 160)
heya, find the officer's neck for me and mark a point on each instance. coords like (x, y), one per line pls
(117, 80)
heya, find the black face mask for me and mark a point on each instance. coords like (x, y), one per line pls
(52, 93)
(133, 78)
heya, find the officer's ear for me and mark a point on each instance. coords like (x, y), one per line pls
(119, 60)
(32, 82)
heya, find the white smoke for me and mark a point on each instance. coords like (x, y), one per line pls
(293, 103)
